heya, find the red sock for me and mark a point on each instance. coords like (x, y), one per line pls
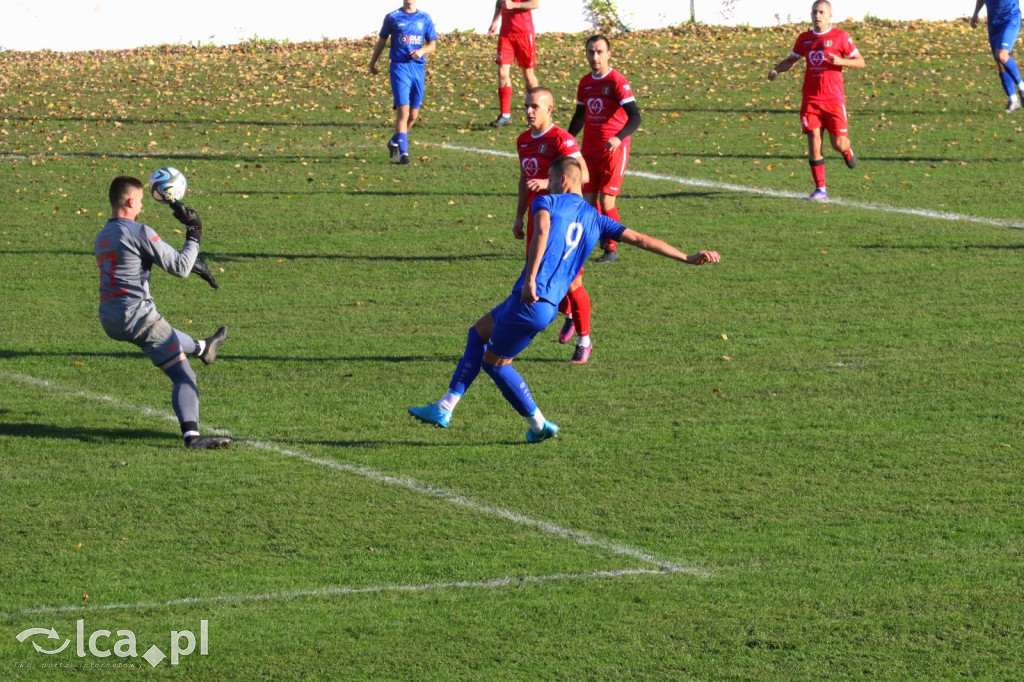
(848, 153)
(612, 213)
(505, 100)
(580, 301)
(563, 307)
(818, 172)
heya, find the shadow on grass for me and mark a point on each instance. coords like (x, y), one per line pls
(204, 122)
(393, 359)
(214, 258)
(944, 247)
(79, 433)
(386, 444)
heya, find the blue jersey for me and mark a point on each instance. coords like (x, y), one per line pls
(409, 32)
(576, 227)
(1002, 11)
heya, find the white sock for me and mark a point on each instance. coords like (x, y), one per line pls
(200, 347)
(506, 115)
(190, 434)
(449, 401)
(536, 420)
(584, 341)
(1014, 97)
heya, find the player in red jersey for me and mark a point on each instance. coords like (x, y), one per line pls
(607, 113)
(827, 50)
(515, 42)
(538, 146)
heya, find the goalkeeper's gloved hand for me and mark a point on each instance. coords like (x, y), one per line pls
(203, 270)
(190, 219)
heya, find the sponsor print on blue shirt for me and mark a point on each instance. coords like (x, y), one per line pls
(408, 32)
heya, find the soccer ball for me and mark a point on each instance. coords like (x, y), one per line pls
(167, 184)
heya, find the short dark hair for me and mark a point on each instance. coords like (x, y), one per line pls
(121, 187)
(566, 166)
(599, 36)
(820, 2)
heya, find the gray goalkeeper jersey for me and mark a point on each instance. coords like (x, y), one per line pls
(125, 253)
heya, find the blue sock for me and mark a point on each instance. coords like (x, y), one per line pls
(403, 142)
(1011, 68)
(469, 364)
(394, 139)
(1009, 85)
(512, 386)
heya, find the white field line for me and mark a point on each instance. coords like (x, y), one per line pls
(781, 194)
(410, 484)
(495, 583)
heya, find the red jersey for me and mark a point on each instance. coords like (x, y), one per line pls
(516, 21)
(823, 82)
(537, 153)
(604, 98)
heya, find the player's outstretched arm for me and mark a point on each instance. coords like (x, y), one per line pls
(783, 66)
(655, 245)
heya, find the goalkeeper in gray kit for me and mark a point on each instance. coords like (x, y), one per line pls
(125, 253)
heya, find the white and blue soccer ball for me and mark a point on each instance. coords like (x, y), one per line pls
(167, 184)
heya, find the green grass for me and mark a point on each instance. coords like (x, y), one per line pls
(849, 478)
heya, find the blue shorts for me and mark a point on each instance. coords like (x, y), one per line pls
(408, 80)
(516, 323)
(1003, 36)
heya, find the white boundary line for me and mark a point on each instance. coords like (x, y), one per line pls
(495, 583)
(781, 194)
(408, 483)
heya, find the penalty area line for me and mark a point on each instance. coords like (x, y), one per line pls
(330, 592)
(408, 483)
(782, 194)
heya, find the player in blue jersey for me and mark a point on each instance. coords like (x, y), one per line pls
(1003, 29)
(566, 229)
(413, 37)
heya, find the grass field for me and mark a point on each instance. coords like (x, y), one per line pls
(802, 463)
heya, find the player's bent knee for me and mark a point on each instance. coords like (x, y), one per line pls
(491, 361)
(180, 357)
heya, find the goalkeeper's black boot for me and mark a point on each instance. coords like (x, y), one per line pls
(208, 443)
(209, 353)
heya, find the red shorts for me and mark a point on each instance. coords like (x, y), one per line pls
(518, 46)
(831, 117)
(607, 169)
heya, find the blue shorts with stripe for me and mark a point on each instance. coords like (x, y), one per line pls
(516, 323)
(408, 81)
(1003, 36)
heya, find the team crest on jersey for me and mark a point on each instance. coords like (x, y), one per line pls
(607, 90)
(530, 166)
(543, 148)
(595, 105)
(828, 43)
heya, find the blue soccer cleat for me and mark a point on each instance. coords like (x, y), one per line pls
(818, 195)
(432, 414)
(549, 430)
